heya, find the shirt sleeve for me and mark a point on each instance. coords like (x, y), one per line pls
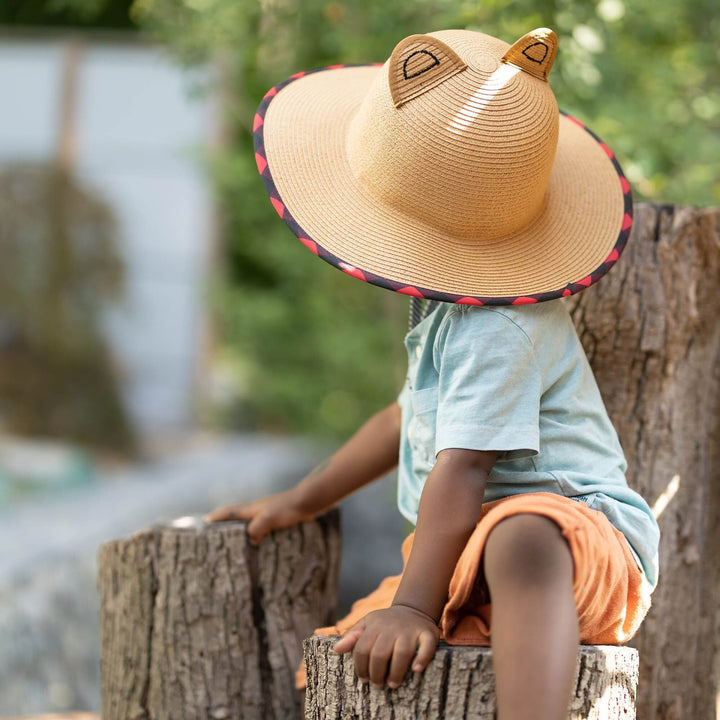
(489, 385)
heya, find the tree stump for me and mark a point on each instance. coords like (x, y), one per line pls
(459, 683)
(651, 330)
(197, 623)
(652, 335)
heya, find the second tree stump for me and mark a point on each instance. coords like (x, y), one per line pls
(459, 684)
(199, 624)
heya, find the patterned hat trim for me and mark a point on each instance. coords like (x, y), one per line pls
(413, 290)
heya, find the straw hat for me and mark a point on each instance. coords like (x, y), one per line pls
(446, 173)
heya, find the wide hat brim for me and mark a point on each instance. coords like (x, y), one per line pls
(300, 132)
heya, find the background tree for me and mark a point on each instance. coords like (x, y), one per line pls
(316, 351)
(60, 270)
(64, 13)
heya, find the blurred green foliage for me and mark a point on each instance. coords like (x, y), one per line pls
(645, 75)
(113, 14)
(318, 351)
(313, 350)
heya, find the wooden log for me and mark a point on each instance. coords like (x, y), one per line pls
(459, 683)
(652, 334)
(197, 623)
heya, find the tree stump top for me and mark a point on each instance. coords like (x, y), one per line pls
(459, 683)
(197, 623)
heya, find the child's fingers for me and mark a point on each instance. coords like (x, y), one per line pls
(361, 654)
(427, 642)
(380, 655)
(240, 511)
(347, 642)
(216, 515)
(259, 527)
(402, 655)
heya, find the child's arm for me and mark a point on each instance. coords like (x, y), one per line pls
(385, 642)
(368, 455)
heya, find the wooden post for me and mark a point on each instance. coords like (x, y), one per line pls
(459, 683)
(199, 624)
(651, 330)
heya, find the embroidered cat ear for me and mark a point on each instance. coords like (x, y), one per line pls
(419, 63)
(534, 53)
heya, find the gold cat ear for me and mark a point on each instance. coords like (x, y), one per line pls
(534, 53)
(419, 63)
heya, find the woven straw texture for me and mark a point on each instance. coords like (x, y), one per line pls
(474, 187)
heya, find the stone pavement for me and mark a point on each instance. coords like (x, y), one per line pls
(49, 638)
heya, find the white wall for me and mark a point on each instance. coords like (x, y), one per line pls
(140, 135)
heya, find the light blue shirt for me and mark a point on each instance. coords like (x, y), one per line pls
(516, 380)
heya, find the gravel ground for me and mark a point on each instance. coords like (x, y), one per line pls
(49, 645)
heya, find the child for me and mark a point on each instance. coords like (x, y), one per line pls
(448, 173)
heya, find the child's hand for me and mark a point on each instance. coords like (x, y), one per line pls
(269, 513)
(385, 642)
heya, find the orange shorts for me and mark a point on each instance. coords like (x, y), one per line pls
(610, 596)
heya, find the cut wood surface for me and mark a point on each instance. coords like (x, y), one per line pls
(459, 684)
(199, 624)
(651, 330)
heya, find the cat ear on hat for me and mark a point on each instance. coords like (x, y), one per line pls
(419, 63)
(534, 52)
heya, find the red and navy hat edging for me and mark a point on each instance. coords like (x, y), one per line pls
(414, 290)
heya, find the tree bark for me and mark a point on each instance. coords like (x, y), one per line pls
(199, 624)
(202, 625)
(459, 683)
(652, 334)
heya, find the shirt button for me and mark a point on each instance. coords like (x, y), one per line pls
(418, 351)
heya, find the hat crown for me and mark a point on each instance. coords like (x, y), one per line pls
(459, 130)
